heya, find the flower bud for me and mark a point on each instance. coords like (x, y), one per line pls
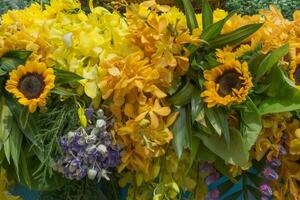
(100, 113)
(270, 174)
(265, 189)
(92, 173)
(212, 178)
(282, 151)
(102, 149)
(275, 162)
(101, 123)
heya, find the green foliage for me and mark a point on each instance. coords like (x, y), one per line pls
(85, 190)
(250, 7)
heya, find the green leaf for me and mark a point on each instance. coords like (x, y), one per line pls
(190, 15)
(30, 131)
(254, 191)
(5, 120)
(62, 91)
(214, 30)
(63, 76)
(180, 130)
(18, 54)
(204, 154)
(195, 143)
(24, 117)
(256, 180)
(9, 64)
(7, 148)
(280, 84)
(251, 123)
(218, 118)
(182, 96)
(197, 105)
(236, 153)
(207, 14)
(280, 88)
(280, 104)
(270, 60)
(24, 171)
(224, 169)
(15, 139)
(234, 37)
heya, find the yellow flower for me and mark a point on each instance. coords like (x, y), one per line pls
(295, 144)
(227, 83)
(153, 110)
(295, 70)
(31, 84)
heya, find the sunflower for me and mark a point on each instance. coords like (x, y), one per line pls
(31, 84)
(227, 83)
(295, 70)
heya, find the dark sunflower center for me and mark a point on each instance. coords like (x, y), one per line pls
(297, 75)
(31, 85)
(228, 81)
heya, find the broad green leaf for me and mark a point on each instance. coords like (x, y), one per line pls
(280, 88)
(182, 96)
(218, 118)
(197, 105)
(63, 76)
(24, 170)
(195, 143)
(15, 139)
(204, 154)
(2, 72)
(280, 84)
(224, 169)
(18, 54)
(207, 14)
(190, 15)
(270, 60)
(9, 64)
(62, 91)
(30, 131)
(251, 123)
(5, 120)
(235, 153)
(180, 130)
(214, 30)
(6, 147)
(234, 37)
(24, 117)
(280, 104)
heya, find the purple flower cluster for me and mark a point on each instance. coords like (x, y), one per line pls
(88, 151)
(212, 176)
(269, 174)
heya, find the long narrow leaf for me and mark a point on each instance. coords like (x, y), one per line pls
(190, 15)
(214, 30)
(234, 37)
(269, 61)
(207, 14)
(183, 96)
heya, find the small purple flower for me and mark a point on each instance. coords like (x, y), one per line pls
(264, 198)
(206, 167)
(89, 113)
(265, 189)
(275, 162)
(270, 174)
(87, 151)
(282, 151)
(212, 178)
(212, 195)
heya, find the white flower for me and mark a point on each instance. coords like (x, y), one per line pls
(102, 149)
(92, 173)
(101, 124)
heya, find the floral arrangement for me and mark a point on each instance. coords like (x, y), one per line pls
(161, 101)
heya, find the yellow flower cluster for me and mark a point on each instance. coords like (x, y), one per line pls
(137, 84)
(281, 131)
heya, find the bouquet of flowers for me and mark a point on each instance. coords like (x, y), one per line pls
(150, 97)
